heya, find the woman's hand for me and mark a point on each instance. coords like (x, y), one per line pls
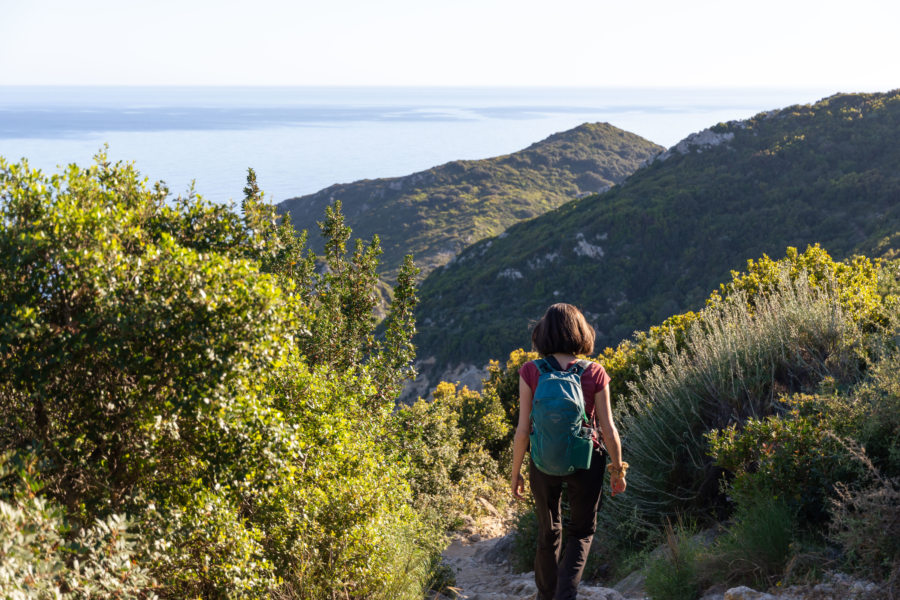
(518, 485)
(617, 483)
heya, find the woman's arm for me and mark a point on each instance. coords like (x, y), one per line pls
(603, 412)
(520, 444)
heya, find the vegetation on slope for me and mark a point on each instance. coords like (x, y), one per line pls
(652, 246)
(436, 213)
(773, 410)
(188, 408)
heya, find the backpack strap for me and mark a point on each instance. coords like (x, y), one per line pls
(552, 362)
(579, 366)
(545, 366)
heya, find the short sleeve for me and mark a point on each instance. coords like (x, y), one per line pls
(599, 376)
(529, 372)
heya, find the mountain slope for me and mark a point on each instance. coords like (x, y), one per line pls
(656, 244)
(436, 213)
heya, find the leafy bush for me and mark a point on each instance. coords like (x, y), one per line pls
(731, 369)
(525, 538)
(879, 426)
(446, 443)
(864, 289)
(40, 559)
(794, 457)
(867, 525)
(197, 370)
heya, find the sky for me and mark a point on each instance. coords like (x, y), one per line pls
(845, 46)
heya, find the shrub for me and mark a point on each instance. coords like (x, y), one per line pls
(42, 560)
(673, 574)
(794, 457)
(502, 383)
(732, 368)
(867, 525)
(525, 538)
(879, 429)
(193, 368)
(864, 289)
(446, 445)
(756, 549)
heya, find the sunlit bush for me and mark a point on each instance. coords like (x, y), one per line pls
(199, 371)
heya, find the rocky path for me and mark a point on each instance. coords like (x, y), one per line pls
(480, 564)
(483, 573)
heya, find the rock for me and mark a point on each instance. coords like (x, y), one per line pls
(716, 592)
(745, 593)
(697, 142)
(598, 593)
(489, 507)
(632, 586)
(500, 551)
(475, 538)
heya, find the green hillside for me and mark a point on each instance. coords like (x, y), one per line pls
(436, 213)
(654, 246)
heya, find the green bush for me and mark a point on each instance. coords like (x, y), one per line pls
(866, 524)
(446, 445)
(879, 429)
(865, 290)
(674, 574)
(525, 538)
(43, 558)
(732, 368)
(197, 370)
(758, 546)
(795, 457)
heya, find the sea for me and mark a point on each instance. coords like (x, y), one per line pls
(302, 139)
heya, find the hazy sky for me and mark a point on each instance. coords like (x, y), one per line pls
(846, 46)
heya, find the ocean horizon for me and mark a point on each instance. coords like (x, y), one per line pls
(303, 139)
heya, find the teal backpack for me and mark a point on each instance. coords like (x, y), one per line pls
(561, 440)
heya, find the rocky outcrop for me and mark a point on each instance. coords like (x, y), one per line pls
(463, 374)
(697, 142)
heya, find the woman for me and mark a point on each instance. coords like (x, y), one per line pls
(563, 333)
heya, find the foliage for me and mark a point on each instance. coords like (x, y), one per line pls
(858, 284)
(795, 457)
(201, 372)
(758, 546)
(878, 428)
(446, 443)
(436, 213)
(866, 512)
(525, 539)
(732, 369)
(867, 525)
(676, 228)
(503, 384)
(42, 558)
(673, 573)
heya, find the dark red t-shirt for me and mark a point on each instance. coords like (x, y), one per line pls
(593, 380)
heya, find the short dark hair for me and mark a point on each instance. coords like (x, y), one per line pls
(563, 329)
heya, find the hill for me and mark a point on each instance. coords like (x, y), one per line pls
(654, 245)
(436, 213)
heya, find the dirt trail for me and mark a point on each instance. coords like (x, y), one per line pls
(482, 574)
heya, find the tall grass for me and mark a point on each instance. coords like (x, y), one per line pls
(736, 364)
(672, 574)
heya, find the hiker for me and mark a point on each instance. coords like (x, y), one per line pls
(552, 384)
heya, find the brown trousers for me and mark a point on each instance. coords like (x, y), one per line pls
(559, 580)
